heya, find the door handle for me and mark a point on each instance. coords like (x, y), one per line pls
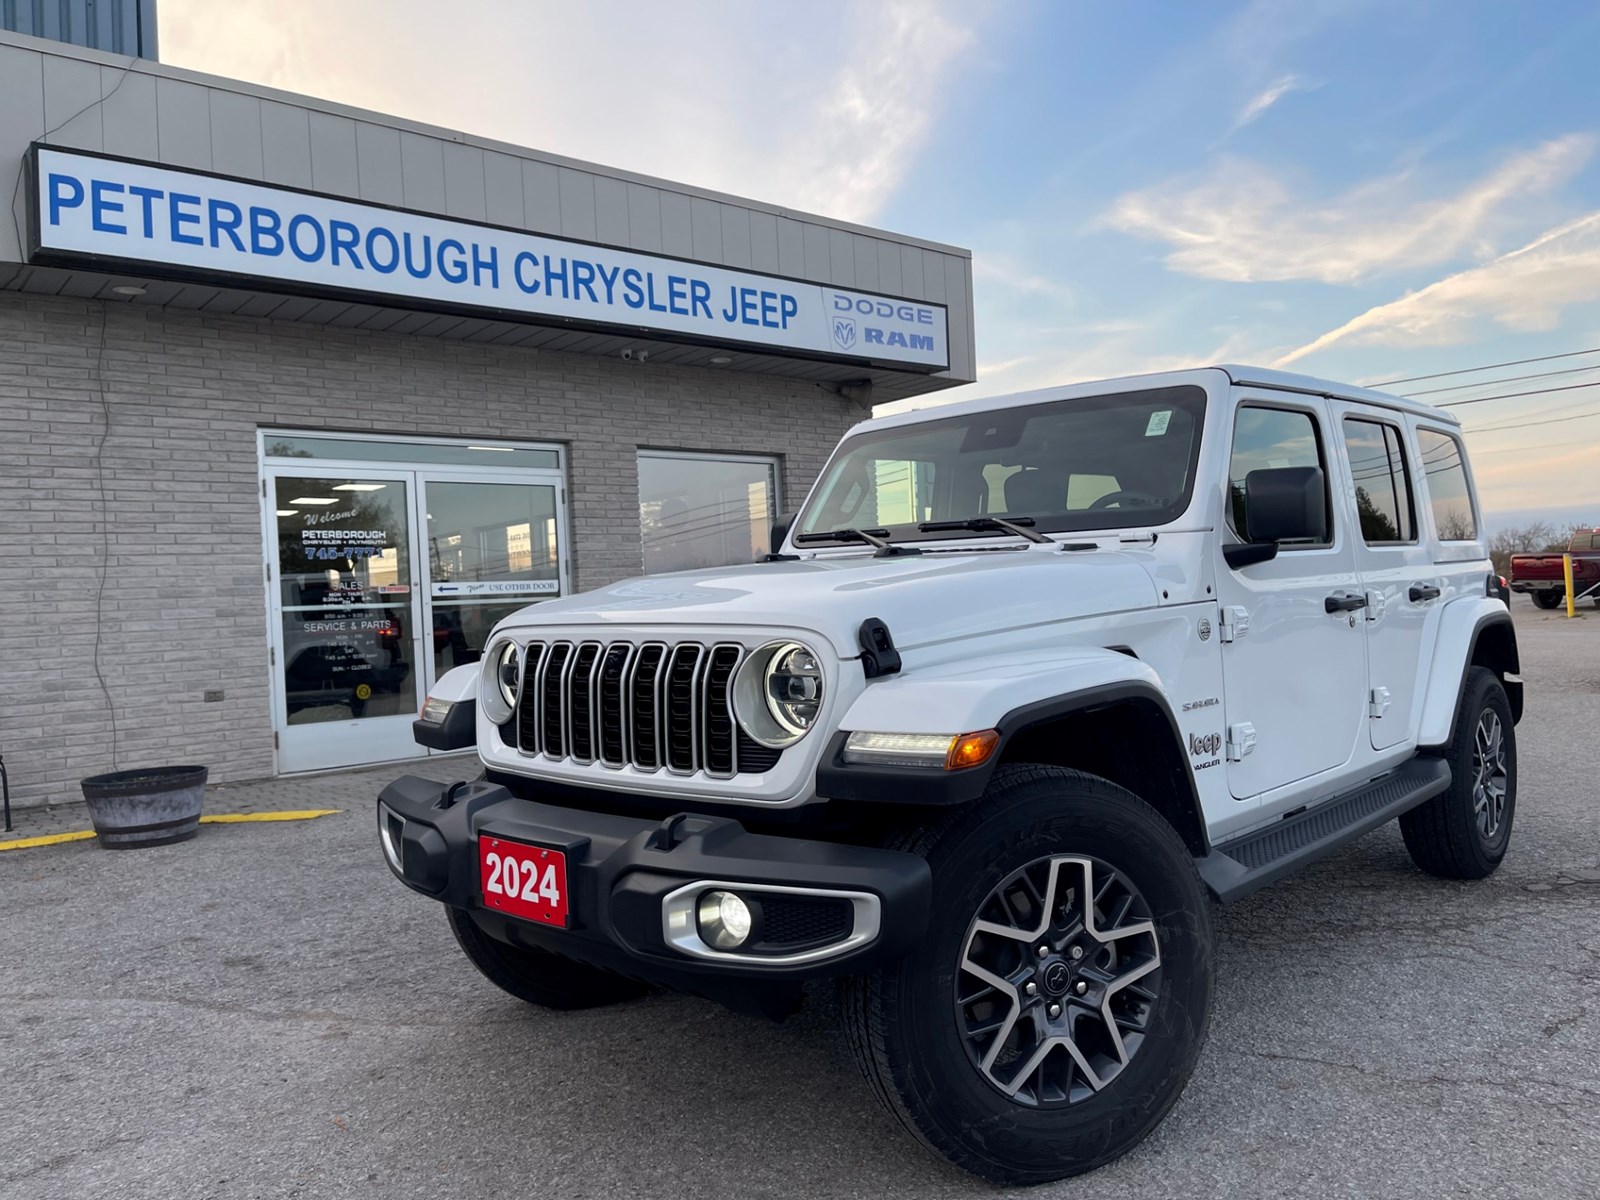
(1422, 591)
(1345, 602)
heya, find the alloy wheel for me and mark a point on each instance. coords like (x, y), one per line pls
(1058, 977)
(1489, 777)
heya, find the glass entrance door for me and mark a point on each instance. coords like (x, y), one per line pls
(492, 546)
(382, 577)
(345, 615)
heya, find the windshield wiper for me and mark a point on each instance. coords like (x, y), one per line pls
(979, 523)
(873, 538)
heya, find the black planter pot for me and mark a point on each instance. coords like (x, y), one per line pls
(153, 806)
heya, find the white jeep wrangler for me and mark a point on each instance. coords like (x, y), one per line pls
(1027, 684)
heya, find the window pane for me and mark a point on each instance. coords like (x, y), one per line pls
(1267, 438)
(1092, 463)
(1447, 486)
(475, 454)
(491, 539)
(1383, 485)
(706, 511)
(341, 541)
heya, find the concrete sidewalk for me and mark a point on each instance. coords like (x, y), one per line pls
(326, 789)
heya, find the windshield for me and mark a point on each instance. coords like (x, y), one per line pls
(1099, 462)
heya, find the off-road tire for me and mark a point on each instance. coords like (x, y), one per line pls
(1444, 835)
(901, 1021)
(1549, 598)
(537, 976)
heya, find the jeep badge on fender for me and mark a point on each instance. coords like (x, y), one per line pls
(964, 744)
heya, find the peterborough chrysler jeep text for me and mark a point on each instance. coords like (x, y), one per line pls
(1026, 685)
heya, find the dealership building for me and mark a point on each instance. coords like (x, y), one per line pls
(297, 401)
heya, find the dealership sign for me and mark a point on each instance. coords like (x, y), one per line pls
(192, 225)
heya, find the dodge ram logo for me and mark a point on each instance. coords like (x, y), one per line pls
(1204, 745)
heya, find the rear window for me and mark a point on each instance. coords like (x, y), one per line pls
(1444, 467)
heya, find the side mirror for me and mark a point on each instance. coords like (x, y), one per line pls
(1282, 504)
(780, 530)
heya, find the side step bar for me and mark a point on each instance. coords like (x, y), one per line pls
(1236, 868)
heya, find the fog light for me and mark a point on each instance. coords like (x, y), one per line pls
(725, 920)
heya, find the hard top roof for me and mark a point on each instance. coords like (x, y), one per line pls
(1262, 377)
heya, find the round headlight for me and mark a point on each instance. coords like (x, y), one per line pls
(794, 688)
(777, 694)
(502, 677)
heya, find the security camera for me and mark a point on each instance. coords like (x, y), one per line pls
(627, 354)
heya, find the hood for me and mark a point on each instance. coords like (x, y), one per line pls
(923, 598)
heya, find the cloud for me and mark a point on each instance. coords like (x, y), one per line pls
(824, 116)
(877, 112)
(1264, 100)
(1006, 272)
(1241, 224)
(1524, 291)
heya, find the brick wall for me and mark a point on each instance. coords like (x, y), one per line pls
(172, 583)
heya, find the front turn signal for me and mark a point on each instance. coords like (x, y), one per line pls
(972, 750)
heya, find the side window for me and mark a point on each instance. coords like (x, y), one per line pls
(1447, 486)
(1383, 482)
(1264, 438)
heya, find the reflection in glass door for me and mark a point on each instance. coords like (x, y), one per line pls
(345, 618)
(492, 547)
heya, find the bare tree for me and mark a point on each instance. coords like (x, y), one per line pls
(1518, 539)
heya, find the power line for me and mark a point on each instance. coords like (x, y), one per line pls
(1517, 421)
(1566, 387)
(1521, 449)
(1530, 424)
(1459, 387)
(1520, 362)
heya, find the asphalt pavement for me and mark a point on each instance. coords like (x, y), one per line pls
(264, 1012)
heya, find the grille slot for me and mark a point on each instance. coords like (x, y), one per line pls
(613, 688)
(528, 705)
(682, 700)
(651, 706)
(644, 707)
(580, 702)
(720, 752)
(552, 691)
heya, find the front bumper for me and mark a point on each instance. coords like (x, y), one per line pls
(627, 875)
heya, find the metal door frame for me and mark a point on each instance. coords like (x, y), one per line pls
(519, 477)
(415, 474)
(277, 656)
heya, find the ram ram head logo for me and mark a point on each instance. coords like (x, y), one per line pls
(844, 332)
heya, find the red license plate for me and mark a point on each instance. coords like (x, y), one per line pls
(525, 881)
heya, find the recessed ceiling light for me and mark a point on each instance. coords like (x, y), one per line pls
(496, 449)
(315, 500)
(288, 512)
(128, 289)
(359, 487)
(721, 360)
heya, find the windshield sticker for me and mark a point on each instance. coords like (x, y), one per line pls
(1158, 423)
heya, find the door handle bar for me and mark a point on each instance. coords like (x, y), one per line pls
(1345, 602)
(1422, 591)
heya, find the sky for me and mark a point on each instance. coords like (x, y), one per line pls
(1357, 190)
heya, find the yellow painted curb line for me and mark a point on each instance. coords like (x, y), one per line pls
(83, 835)
(288, 814)
(53, 839)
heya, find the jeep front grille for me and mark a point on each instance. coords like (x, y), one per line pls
(649, 705)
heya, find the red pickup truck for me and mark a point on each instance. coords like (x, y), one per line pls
(1542, 576)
